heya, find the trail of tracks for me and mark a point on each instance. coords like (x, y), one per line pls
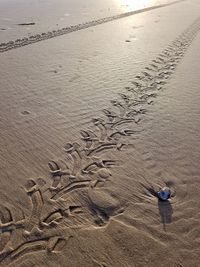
(55, 33)
(84, 171)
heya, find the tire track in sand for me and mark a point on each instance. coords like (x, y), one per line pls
(66, 30)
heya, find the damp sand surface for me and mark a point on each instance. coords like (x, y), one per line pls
(92, 124)
(25, 18)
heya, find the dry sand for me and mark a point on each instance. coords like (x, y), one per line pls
(93, 123)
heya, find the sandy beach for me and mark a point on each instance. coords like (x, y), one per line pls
(99, 110)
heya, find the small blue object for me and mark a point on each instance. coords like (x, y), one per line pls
(164, 194)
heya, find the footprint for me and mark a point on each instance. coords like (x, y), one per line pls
(25, 112)
(53, 71)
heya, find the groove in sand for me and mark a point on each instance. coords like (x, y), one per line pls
(52, 34)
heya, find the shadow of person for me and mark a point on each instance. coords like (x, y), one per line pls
(165, 211)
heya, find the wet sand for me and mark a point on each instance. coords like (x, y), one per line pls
(92, 124)
(21, 19)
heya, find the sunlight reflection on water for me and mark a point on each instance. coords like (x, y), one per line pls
(135, 4)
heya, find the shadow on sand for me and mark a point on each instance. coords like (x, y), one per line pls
(165, 211)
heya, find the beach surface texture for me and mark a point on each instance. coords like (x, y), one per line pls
(99, 133)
